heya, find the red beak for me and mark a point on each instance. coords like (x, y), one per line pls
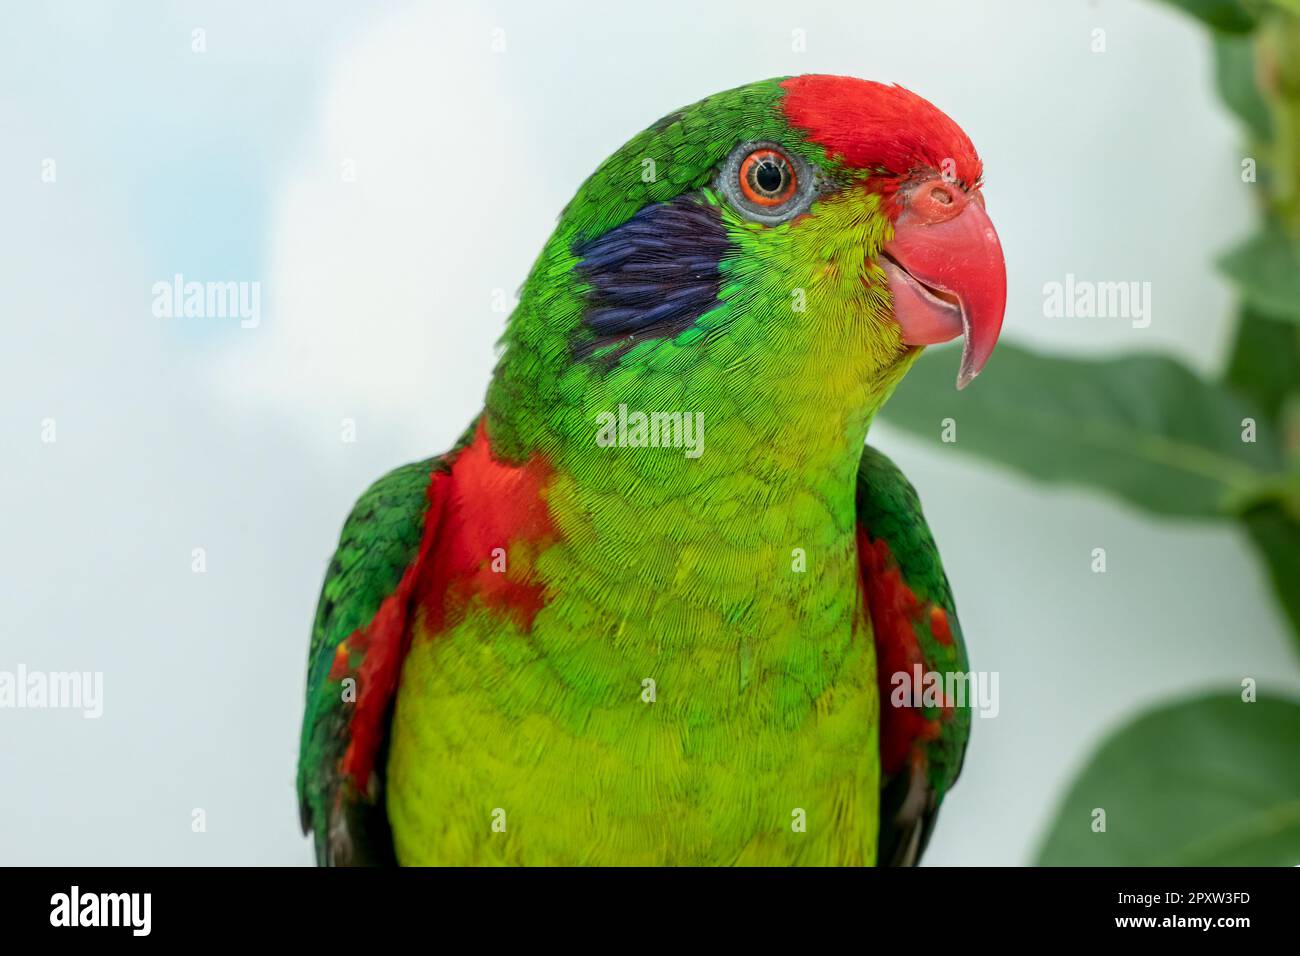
(946, 272)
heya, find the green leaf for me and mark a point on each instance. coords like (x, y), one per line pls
(1228, 16)
(1212, 781)
(1141, 427)
(1266, 270)
(1265, 362)
(1277, 536)
(1234, 76)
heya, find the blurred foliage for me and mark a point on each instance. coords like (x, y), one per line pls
(1210, 781)
(1234, 74)
(1225, 16)
(1142, 427)
(1213, 780)
(1277, 535)
(1264, 364)
(1266, 270)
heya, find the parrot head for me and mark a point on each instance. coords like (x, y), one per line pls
(785, 248)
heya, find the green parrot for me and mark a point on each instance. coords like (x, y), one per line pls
(660, 603)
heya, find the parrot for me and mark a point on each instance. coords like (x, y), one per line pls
(661, 603)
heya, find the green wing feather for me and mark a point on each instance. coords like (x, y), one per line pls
(380, 540)
(890, 510)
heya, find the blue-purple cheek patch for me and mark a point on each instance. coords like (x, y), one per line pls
(652, 276)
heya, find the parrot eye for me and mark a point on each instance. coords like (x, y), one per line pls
(766, 184)
(766, 177)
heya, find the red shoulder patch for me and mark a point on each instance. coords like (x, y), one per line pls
(480, 505)
(495, 524)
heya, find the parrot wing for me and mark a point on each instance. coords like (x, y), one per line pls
(358, 642)
(914, 622)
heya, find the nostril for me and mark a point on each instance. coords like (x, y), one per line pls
(933, 199)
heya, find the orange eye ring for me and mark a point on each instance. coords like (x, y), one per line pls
(767, 177)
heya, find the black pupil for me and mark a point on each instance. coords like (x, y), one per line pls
(769, 176)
